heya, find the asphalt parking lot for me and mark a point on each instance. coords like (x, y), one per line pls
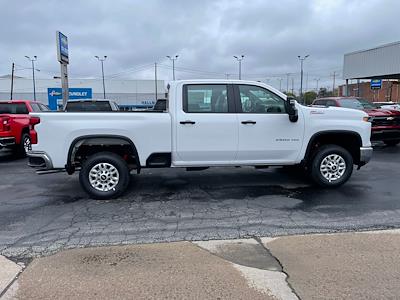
(40, 215)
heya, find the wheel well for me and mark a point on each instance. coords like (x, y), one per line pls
(351, 141)
(84, 147)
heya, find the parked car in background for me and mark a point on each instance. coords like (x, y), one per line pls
(385, 122)
(387, 105)
(207, 123)
(91, 105)
(16, 124)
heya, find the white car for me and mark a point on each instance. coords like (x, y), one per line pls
(207, 123)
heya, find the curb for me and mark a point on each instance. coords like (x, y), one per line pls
(9, 271)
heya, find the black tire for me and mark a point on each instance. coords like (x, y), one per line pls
(324, 152)
(110, 159)
(391, 143)
(20, 148)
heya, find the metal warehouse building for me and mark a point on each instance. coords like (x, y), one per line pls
(128, 93)
(382, 62)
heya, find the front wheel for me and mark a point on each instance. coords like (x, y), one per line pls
(104, 175)
(331, 166)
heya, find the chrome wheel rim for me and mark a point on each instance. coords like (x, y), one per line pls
(104, 177)
(333, 167)
(27, 144)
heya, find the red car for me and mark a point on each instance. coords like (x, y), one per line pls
(385, 122)
(16, 124)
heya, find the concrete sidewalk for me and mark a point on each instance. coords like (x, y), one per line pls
(332, 266)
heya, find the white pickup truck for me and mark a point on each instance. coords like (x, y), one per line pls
(206, 123)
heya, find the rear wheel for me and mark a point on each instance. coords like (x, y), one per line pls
(104, 175)
(331, 166)
(24, 146)
(392, 142)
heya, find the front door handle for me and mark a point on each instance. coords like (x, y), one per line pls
(187, 122)
(249, 122)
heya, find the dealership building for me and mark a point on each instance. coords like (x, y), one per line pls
(376, 73)
(128, 94)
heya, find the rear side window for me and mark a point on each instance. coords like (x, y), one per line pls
(88, 106)
(13, 108)
(331, 103)
(201, 98)
(320, 102)
(35, 107)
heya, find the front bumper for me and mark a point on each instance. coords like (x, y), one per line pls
(39, 160)
(385, 134)
(365, 155)
(7, 142)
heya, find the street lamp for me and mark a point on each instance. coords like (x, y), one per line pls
(280, 83)
(173, 58)
(102, 59)
(33, 74)
(302, 59)
(239, 59)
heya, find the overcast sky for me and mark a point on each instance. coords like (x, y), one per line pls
(205, 34)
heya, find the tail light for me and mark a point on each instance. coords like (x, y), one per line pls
(5, 124)
(32, 122)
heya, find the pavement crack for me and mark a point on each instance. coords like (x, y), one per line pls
(258, 239)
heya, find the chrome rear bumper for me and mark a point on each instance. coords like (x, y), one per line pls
(39, 160)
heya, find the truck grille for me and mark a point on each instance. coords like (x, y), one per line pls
(386, 121)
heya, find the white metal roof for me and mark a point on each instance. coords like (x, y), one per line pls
(379, 62)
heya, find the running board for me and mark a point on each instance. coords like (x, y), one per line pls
(44, 172)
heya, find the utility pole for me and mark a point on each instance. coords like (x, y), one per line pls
(280, 84)
(173, 58)
(155, 79)
(333, 86)
(102, 59)
(33, 74)
(317, 81)
(239, 59)
(292, 86)
(287, 82)
(302, 59)
(12, 81)
(306, 82)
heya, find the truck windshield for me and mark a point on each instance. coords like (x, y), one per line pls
(356, 103)
(13, 108)
(88, 106)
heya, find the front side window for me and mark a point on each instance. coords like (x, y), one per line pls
(258, 100)
(35, 107)
(201, 98)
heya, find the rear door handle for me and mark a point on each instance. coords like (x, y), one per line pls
(249, 122)
(187, 122)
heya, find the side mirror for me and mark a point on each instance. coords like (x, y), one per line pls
(291, 109)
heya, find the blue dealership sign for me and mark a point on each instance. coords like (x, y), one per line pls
(55, 95)
(376, 84)
(62, 48)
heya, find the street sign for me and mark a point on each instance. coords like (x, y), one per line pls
(62, 48)
(376, 84)
(55, 96)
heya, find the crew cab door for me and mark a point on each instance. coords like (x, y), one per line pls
(206, 126)
(266, 135)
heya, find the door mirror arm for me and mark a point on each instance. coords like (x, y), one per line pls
(291, 109)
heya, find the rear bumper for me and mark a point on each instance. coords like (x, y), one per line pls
(365, 155)
(385, 134)
(7, 142)
(39, 160)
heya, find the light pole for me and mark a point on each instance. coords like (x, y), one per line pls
(302, 59)
(239, 59)
(33, 74)
(102, 59)
(173, 58)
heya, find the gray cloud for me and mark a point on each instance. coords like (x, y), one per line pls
(206, 34)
